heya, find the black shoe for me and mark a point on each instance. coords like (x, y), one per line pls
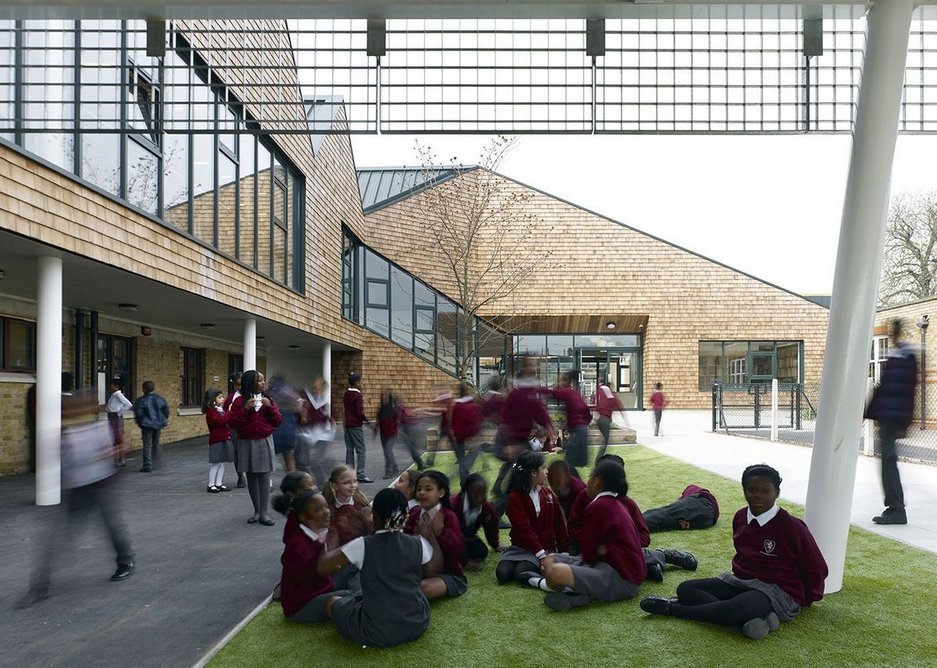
(224, 488)
(146, 469)
(123, 572)
(655, 573)
(525, 577)
(212, 489)
(557, 601)
(365, 479)
(657, 605)
(891, 516)
(266, 521)
(684, 560)
(241, 481)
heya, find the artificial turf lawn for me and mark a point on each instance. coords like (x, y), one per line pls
(884, 615)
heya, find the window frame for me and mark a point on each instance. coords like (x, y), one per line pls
(188, 382)
(5, 351)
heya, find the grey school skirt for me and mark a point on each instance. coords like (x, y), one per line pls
(600, 582)
(255, 455)
(222, 452)
(784, 606)
(518, 554)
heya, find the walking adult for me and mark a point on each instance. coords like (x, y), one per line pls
(255, 416)
(353, 401)
(892, 406)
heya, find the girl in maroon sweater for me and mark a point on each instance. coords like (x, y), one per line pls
(777, 568)
(538, 527)
(611, 566)
(351, 510)
(255, 416)
(434, 520)
(303, 592)
(293, 484)
(388, 416)
(220, 448)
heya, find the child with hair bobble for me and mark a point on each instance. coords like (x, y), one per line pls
(777, 568)
(303, 591)
(294, 483)
(537, 524)
(391, 608)
(220, 447)
(611, 566)
(351, 511)
(406, 485)
(434, 520)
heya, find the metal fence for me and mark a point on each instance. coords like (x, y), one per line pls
(746, 410)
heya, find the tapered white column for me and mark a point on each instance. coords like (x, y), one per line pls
(855, 283)
(49, 383)
(250, 344)
(327, 367)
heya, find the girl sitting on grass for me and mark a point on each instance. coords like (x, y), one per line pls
(391, 608)
(406, 485)
(611, 566)
(538, 527)
(303, 590)
(293, 484)
(434, 520)
(474, 512)
(777, 568)
(351, 510)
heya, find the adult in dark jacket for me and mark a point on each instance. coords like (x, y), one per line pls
(892, 406)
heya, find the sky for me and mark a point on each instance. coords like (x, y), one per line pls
(768, 205)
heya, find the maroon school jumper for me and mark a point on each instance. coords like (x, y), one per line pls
(576, 487)
(252, 424)
(605, 405)
(218, 429)
(300, 581)
(532, 532)
(577, 412)
(782, 552)
(634, 512)
(606, 522)
(353, 401)
(523, 409)
(694, 490)
(450, 538)
(467, 419)
(487, 519)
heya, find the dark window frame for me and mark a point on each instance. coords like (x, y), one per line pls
(192, 384)
(5, 338)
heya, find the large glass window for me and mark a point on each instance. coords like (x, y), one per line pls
(447, 328)
(7, 72)
(49, 77)
(401, 299)
(142, 176)
(264, 208)
(377, 293)
(280, 218)
(227, 202)
(193, 376)
(247, 191)
(100, 103)
(18, 345)
(743, 362)
(349, 276)
(115, 361)
(177, 76)
(710, 363)
(424, 310)
(203, 186)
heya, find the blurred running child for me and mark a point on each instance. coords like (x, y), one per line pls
(220, 447)
(387, 419)
(434, 520)
(391, 608)
(467, 421)
(777, 568)
(658, 402)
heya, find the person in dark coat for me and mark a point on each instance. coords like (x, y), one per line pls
(892, 406)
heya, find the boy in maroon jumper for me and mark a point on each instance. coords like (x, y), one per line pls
(353, 402)
(777, 568)
(606, 403)
(466, 422)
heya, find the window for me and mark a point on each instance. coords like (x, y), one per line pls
(142, 176)
(879, 354)
(349, 276)
(100, 61)
(247, 210)
(115, 360)
(401, 299)
(48, 88)
(743, 362)
(377, 294)
(7, 71)
(193, 377)
(19, 345)
(424, 332)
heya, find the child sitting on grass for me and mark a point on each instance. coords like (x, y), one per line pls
(303, 590)
(406, 485)
(293, 484)
(391, 608)
(777, 568)
(434, 520)
(474, 512)
(351, 511)
(538, 527)
(564, 484)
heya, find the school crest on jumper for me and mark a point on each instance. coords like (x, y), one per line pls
(769, 546)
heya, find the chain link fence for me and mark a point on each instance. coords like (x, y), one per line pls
(746, 410)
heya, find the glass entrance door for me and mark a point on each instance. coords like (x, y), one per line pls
(620, 368)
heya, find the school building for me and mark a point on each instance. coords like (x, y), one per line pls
(183, 257)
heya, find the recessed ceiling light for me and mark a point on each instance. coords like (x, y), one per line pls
(610, 325)
(127, 307)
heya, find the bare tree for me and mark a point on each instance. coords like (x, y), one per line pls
(909, 266)
(483, 228)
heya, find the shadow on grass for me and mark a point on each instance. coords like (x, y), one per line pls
(882, 617)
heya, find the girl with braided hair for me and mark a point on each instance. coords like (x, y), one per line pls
(391, 608)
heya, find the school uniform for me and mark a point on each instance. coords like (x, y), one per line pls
(576, 487)
(470, 521)
(316, 432)
(578, 417)
(606, 403)
(220, 448)
(696, 506)
(291, 527)
(387, 419)
(255, 435)
(537, 527)
(450, 543)
(658, 401)
(117, 404)
(390, 609)
(617, 574)
(467, 420)
(522, 410)
(350, 520)
(353, 403)
(303, 592)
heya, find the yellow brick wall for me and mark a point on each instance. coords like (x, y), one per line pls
(599, 266)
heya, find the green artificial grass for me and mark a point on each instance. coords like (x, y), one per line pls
(882, 617)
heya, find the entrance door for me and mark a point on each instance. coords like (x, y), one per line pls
(629, 379)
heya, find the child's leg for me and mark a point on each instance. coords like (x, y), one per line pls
(213, 475)
(434, 588)
(263, 498)
(605, 426)
(715, 602)
(253, 488)
(315, 610)
(219, 474)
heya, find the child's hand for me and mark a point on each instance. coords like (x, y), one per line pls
(601, 550)
(265, 401)
(546, 563)
(683, 524)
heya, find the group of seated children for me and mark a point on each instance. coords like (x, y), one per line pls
(576, 541)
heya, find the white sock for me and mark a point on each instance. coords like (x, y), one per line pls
(540, 583)
(219, 474)
(213, 474)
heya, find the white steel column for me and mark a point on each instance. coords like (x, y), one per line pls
(327, 367)
(855, 284)
(49, 383)
(250, 344)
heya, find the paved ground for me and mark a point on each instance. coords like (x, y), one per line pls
(200, 568)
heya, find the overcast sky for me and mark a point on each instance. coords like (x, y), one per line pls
(768, 205)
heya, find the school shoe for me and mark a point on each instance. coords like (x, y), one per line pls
(773, 622)
(657, 605)
(266, 521)
(655, 573)
(557, 601)
(365, 479)
(891, 516)
(525, 577)
(224, 488)
(242, 483)
(123, 572)
(756, 628)
(146, 469)
(212, 489)
(684, 560)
